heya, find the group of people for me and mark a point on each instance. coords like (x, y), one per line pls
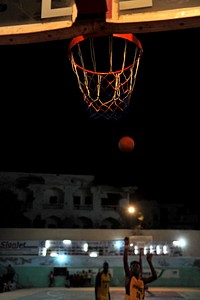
(7, 280)
(52, 279)
(135, 283)
(79, 279)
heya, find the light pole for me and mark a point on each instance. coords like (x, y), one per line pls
(131, 211)
(140, 219)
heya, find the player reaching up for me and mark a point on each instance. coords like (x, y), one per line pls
(134, 282)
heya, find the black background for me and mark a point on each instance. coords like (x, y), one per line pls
(45, 127)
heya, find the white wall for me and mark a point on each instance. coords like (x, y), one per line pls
(192, 237)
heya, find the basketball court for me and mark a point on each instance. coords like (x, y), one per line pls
(88, 294)
(35, 21)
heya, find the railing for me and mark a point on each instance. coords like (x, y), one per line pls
(53, 206)
(110, 207)
(83, 207)
(106, 248)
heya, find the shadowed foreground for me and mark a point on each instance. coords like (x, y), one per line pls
(88, 294)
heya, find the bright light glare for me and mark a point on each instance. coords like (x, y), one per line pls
(93, 254)
(131, 209)
(158, 249)
(118, 244)
(165, 249)
(151, 249)
(61, 258)
(85, 247)
(47, 244)
(182, 243)
(179, 243)
(67, 242)
(54, 254)
(145, 250)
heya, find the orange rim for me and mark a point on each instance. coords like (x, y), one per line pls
(127, 36)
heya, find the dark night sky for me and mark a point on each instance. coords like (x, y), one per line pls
(45, 127)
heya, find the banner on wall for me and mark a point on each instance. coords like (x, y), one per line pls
(19, 247)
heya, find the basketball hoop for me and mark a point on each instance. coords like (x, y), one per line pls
(106, 68)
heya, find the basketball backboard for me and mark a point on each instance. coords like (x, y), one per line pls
(23, 21)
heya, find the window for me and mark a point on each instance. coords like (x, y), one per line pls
(53, 199)
(77, 200)
(112, 199)
(88, 200)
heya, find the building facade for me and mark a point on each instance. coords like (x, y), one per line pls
(76, 201)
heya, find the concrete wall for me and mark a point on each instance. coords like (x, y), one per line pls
(172, 271)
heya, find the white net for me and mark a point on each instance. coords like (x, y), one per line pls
(106, 69)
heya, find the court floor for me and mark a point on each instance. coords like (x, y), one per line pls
(117, 293)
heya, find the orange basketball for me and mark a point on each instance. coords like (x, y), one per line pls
(126, 144)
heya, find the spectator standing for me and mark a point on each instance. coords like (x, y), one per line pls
(51, 279)
(10, 273)
(67, 279)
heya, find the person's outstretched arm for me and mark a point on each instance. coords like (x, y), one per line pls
(140, 261)
(125, 256)
(153, 271)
